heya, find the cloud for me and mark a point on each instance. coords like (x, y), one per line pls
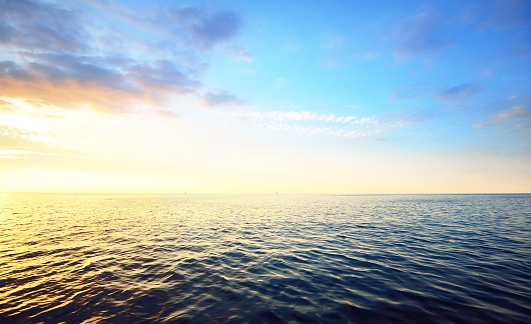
(517, 116)
(74, 81)
(344, 126)
(200, 27)
(6, 106)
(306, 116)
(221, 98)
(162, 75)
(217, 27)
(60, 67)
(420, 35)
(13, 70)
(34, 25)
(510, 14)
(16, 143)
(312, 123)
(239, 54)
(320, 130)
(105, 57)
(404, 118)
(463, 91)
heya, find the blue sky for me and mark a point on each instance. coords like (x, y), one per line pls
(252, 96)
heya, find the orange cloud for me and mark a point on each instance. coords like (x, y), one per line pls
(72, 94)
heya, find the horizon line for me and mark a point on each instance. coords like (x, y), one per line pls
(258, 193)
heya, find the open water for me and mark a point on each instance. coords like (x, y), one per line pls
(260, 259)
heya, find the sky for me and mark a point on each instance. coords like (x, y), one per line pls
(353, 97)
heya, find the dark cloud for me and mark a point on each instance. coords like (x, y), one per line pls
(34, 25)
(421, 34)
(6, 32)
(221, 98)
(462, 91)
(13, 70)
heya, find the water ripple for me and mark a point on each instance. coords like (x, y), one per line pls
(311, 259)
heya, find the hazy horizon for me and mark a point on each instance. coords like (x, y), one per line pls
(263, 193)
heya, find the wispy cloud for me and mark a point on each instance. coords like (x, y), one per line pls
(517, 116)
(313, 123)
(320, 130)
(463, 91)
(420, 35)
(306, 116)
(23, 154)
(16, 143)
(221, 98)
(497, 14)
(239, 54)
(522, 52)
(404, 118)
(453, 93)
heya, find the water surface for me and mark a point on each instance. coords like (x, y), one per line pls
(276, 258)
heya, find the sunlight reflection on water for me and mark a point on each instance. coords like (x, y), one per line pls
(411, 258)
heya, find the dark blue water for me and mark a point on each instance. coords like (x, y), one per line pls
(260, 259)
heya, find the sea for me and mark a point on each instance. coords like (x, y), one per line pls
(108, 258)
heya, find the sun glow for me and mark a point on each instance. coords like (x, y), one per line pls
(171, 99)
